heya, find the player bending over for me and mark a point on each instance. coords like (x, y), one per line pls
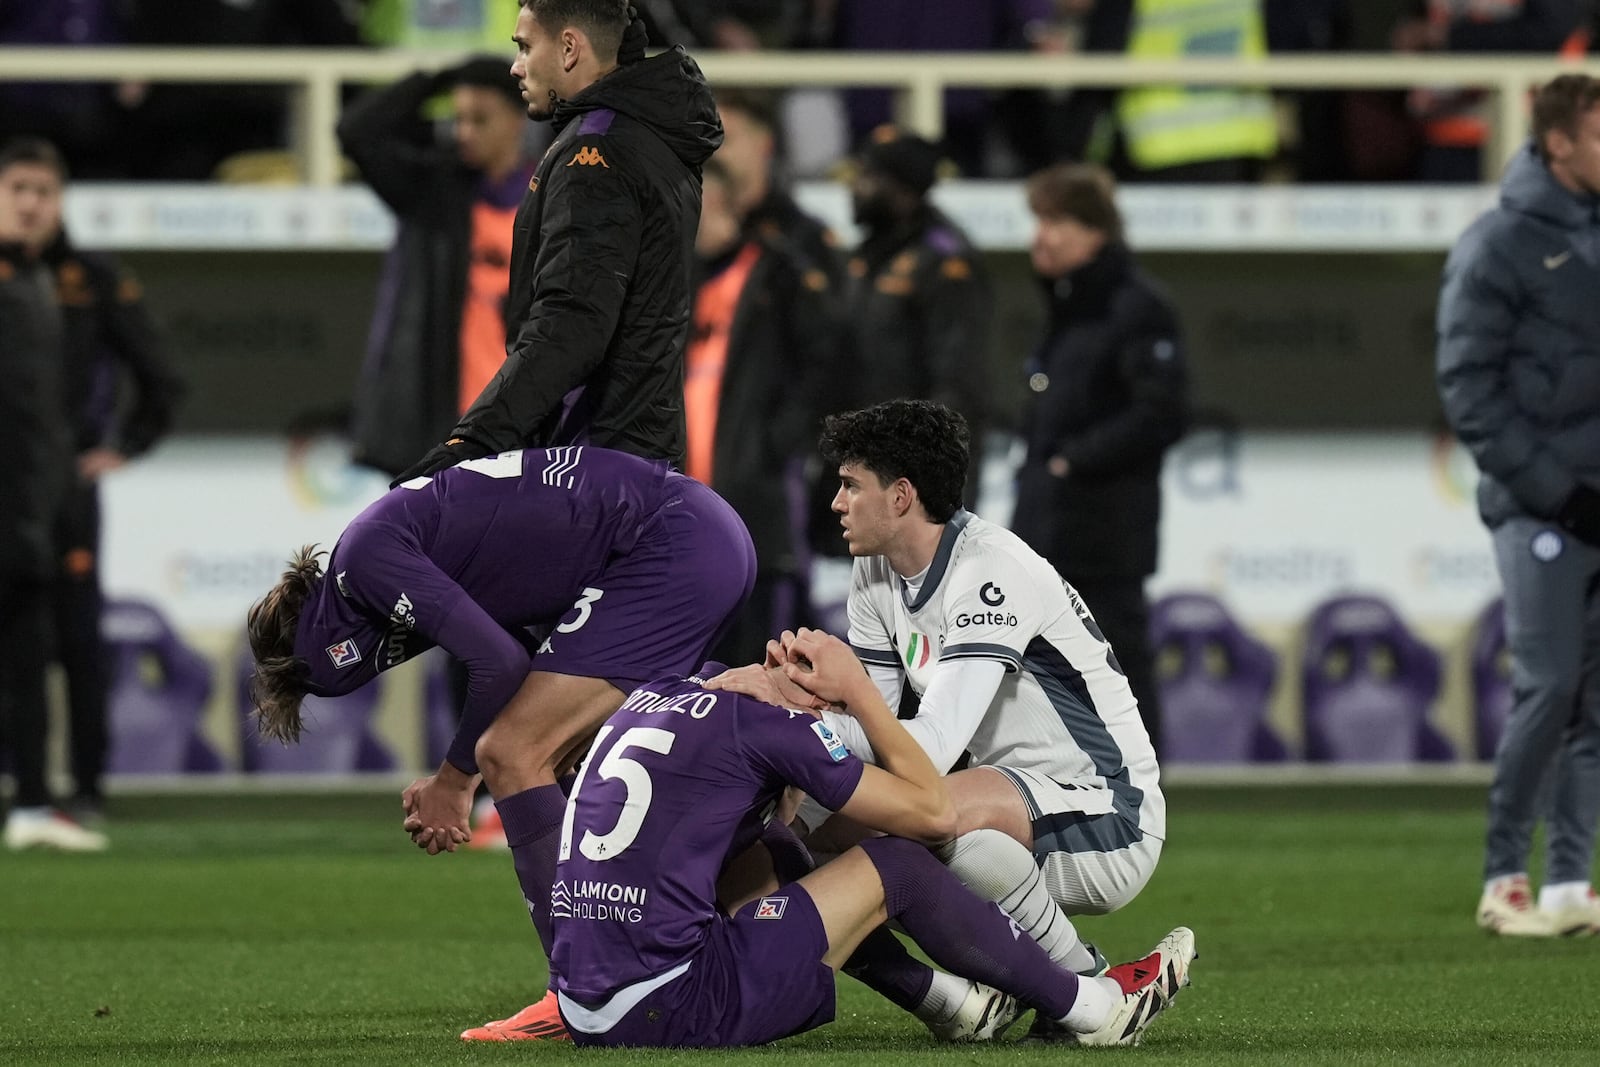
(676, 785)
(635, 566)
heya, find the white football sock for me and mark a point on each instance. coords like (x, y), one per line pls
(1563, 895)
(999, 868)
(1092, 1006)
(1496, 885)
(945, 997)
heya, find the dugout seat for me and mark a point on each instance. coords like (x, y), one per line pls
(338, 737)
(157, 689)
(1491, 679)
(1368, 685)
(1215, 679)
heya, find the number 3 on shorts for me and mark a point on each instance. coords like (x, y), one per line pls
(585, 606)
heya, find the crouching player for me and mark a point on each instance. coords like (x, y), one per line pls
(676, 785)
(636, 567)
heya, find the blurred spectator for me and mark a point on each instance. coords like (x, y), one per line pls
(934, 26)
(1109, 396)
(917, 305)
(441, 24)
(761, 341)
(1519, 376)
(438, 334)
(749, 155)
(36, 441)
(108, 338)
(79, 117)
(181, 132)
(731, 25)
(1320, 154)
(1174, 132)
(1455, 128)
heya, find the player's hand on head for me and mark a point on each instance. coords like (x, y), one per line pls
(778, 649)
(825, 666)
(766, 684)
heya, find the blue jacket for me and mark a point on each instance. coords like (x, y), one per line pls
(1519, 344)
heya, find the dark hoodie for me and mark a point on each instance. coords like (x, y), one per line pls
(601, 262)
(1519, 344)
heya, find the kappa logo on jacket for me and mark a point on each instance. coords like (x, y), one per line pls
(588, 156)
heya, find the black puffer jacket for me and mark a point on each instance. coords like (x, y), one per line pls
(601, 270)
(1110, 394)
(1519, 344)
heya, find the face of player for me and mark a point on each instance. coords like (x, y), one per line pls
(719, 221)
(487, 129)
(1062, 245)
(746, 150)
(541, 64)
(866, 510)
(1575, 158)
(30, 204)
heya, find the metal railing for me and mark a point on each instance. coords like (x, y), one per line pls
(315, 76)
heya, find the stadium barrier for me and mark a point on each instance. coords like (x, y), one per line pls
(316, 76)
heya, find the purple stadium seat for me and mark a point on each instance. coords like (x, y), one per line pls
(157, 694)
(1368, 684)
(1491, 679)
(337, 737)
(1215, 682)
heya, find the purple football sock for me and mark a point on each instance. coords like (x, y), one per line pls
(963, 934)
(532, 821)
(791, 861)
(883, 965)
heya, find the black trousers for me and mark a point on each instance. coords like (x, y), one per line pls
(76, 604)
(24, 712)
(1119, 606)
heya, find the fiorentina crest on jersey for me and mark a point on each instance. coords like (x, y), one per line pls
(344, 653)
(771, 907)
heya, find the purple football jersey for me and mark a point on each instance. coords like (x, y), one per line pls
(679, 780)
(468, 558)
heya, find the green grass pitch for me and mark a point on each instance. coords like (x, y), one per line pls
(1334, 926)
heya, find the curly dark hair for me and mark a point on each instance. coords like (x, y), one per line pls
(278, 685)
(925, 443)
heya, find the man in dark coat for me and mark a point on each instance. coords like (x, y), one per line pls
(438, 335)
(1519, 377)
(37, 445)
(1109, 395)
(602, 254)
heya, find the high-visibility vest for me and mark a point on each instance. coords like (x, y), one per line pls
(1169, 125)
(483, 25)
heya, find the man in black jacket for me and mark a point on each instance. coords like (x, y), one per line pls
(1110, 394)
(917, 304)
(108, 336)
(598, 315)
(763, 340)
(1519, 378)
(438, 335)
(36, 442)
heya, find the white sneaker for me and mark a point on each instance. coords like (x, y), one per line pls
(985, 1013)
(1575, 920)
(49, 828)
(1149, 986)
(1507, 909)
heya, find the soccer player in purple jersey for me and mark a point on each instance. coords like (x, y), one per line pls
(636, 567)
(676, 787)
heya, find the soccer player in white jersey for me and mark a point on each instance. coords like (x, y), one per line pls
(1061, 811)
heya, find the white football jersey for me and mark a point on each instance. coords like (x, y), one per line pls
(1063, 709)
